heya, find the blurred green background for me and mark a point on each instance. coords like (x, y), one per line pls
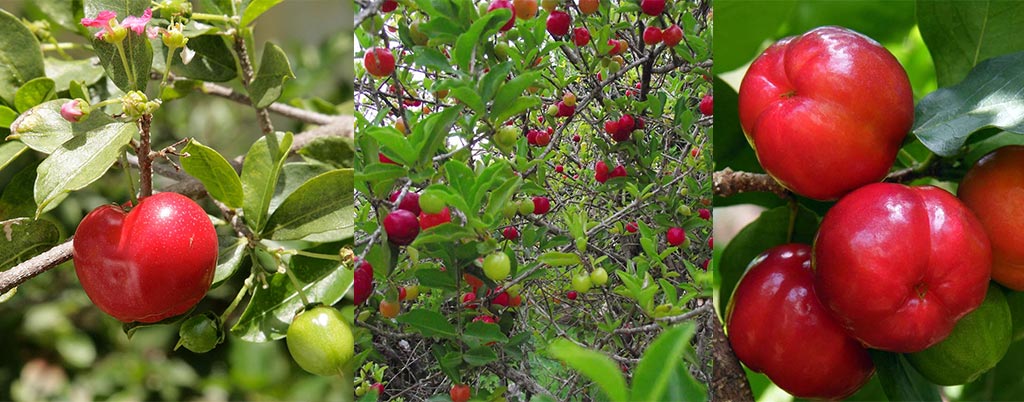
(58, 346)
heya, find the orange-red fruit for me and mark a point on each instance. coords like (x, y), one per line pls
(652, 35)
(588, 7)
(379, 62)
(672, 35)
(428, 221)
(496, 4)
(558, 23)
(459, 393)
(994, 190)
(524, 9)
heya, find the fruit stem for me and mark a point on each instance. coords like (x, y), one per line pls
(298, 287)
(234, 303)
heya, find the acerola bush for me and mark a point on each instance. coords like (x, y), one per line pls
(504, 128)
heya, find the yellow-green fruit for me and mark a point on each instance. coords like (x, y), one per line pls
(599, 277)
(418, 37)
(684, 210)
(977, 343)
(581, 282)
(321, 341)
(510, 209)
(525, 207)
(501, 51)
(506, 137)
(431, 202)
(497, 266)
(412, 292)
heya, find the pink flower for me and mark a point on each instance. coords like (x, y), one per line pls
(103, 20)
(138, 24)
(112, 31)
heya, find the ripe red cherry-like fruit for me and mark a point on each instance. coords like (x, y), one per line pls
(611, 126)
(774, 304)
(411, 201)
(707, 105)
(510, 233)
(581, 36)
(402, 227)
(362, 282)
(154, 262)
(379, 62)
(496, 4)
(459, 393)
(428, 221)
(994, 190)
(652, 35)
(558, 23)
(675, 236)
(845, 110)
(632, 227)
(652, 7)
(541, 205)
(542, 138)
(672, 35)
(389, 6)
(601, 171)
(619, 171)
(898, 265)
(572, 295)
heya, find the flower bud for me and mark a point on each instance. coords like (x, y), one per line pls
(75, 110)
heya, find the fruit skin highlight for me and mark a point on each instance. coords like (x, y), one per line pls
(994, 190)
(830, 100)
(898, 266)
(778, 326)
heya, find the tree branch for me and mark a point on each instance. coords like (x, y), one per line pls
(53, 257)
(728, 380)
(728, 183)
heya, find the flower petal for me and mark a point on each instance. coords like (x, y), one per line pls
(138, 24)
(101, 20)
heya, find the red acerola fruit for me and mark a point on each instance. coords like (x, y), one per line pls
(485, 319)
(389, 6)
(652, 35)
(362, 282)
(502, 299)
(402, 227)
(572, 295)
(898, 266)
(496, 4)
(558, 23)
(626, 123)
(565, 110)
(576, 138)
(581, 36)
(611, 127)
(672, 35)
(510, 233)
(845, 112)
(542, 138)
(541, 205)
(154, 262)
(560, 169)
(379, 62)
(707, 105)
(652, 7)
(675, 236)
(531, 137)
(428, 221)
(601, 172)
(459, 393)
(619, 171)
(704, 213)
(411, 201)
(632, 227)
(775, 304)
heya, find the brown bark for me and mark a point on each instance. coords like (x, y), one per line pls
(728, 380)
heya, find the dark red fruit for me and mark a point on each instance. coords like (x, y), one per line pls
(401, 227)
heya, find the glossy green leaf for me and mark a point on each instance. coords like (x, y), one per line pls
(768, 230)
(656, 371)
(213, 60)
(228, 261)
(321, 210)
(7, 116)
(9, 151)
(63, 72)
(274, 71)
(139, 53)
(79, 162)
(900, 381)
(597, 367)
(34, 92)
(428, 322)
(558, 259)
(483, 332)
(338, 152)
(22, 57)
(482, 28)
(988, 97)
(480, 356)
(255, 9)
(292, 176)
(397, 145)
(262, 165)
(23, 238)
(216, 174)
(43, 129)
(432, 132)
(960, 35)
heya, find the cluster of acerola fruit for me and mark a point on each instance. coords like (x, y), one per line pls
(894, 268)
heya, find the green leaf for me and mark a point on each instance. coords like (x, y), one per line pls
(7, 116)
(43, 129)
(9, 151)
(558, 259)
(338, 152)
(988, 97)
(432, 59)
(23, 238)
(139, 53)
(63, 72)
(22, 57)
(517, 107)
(17, 199)
(656, 370)
(599, 368)
(79, 162)
(484, 332)
(274, 71)
(255, 9)
(216, 174)
(292, 176)
(742, 26)
(432, 133)
(435, 279)
(228, 261)
(34, 92)
(480, 356)
(272, 308)
(469, 40)
(470, 98)
(213, 60)
(259, 176)
(900, 381)
(321, 210)
(767, 231)
(397, 144)
(428, 322)
(960, 35)
(510, 93)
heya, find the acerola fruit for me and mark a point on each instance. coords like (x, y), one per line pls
(154, 262)
(675, 236)
(652, 35)
(524, 9)
(601, 172)
(487, 319)
(581, 36)
(576, 138)
(581, 282)
(510, 233)
(497, 266)
(775, 305)
(496, 4)
(401, 294)
(459, 393)
(632, 227)
(362, 282)
(565, 110)
(379, 388)
(389, 6)
(672, 35)
(626, 123)
(704, 213)
(526, 207)
(619, 171)
(898, 265)
(428, 221)
(588, 7)
(707, 105)
(559, 169)
(549, 5)
(320, 341)
(379, 62)
(502, 299)
(611, 127)
(401, 227)
(558, 23)
(411, 292)
(199, 334)
(384, 159)
(652, 7)
(599, 277)
(468, 298)
(569, 99)
(845, 112)
(571, 295)
(543, 138)
(430, 202)
(389, 309)
(541, 205)
(994, 190)
(411, 201)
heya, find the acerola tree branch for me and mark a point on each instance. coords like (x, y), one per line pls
(728, 380)
(728, 183)
(145, 159)
(247, 77)
(53, 257)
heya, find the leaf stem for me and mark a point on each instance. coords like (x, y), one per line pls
(124, 62)
(238, 299)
